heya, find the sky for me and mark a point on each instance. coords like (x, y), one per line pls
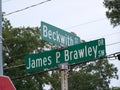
(84, 17)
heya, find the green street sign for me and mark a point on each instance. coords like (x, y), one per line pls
(58, 36)
(73, 54)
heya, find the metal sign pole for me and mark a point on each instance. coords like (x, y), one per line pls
(1, 61)
(64, 76)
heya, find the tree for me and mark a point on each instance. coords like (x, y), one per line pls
(81, 81)
(113, 12)
(6, 25)
(115, 88)
(17, 43)
(55, 80)
(94, 75)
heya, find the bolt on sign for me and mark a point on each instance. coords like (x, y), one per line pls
(58, 36)
(73, 54)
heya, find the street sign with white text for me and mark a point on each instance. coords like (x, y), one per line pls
(58, 36)
(73, 54)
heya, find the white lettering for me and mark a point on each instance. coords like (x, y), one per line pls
(86, 51)
(58, 37)
(68, 40)
(71, 52)
(66, 53)
(75, 54)
(54, 36)
(57, 57)
(62, 39)
(49, 60)
(29, 64)
(50, 34)
(38, 62)
(89, 51)
(100, 42)
(45, 31)
(81, 53)
(71, 41)
(102, 52)
(95, 51)
(33, 64)
(44, 61)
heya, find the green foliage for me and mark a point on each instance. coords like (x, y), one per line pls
(6, 25)
(18, 42)
(115, 88)
(113, 12)
(95, 75)
(55, 80)
(81, 81)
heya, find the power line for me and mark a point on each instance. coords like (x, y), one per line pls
(27, 8)
(110, 34)
(112, 44)
(25, 54)
(23, 65)
(113, 55)
(19, 77)
(93, 21)
(4, 1)
(68, 27)
(104, 35)
(14, 66)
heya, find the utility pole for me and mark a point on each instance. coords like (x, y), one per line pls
(1, 58)
(64, 77)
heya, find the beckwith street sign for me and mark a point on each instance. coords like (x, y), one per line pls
(58, 36)
(73, 54)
